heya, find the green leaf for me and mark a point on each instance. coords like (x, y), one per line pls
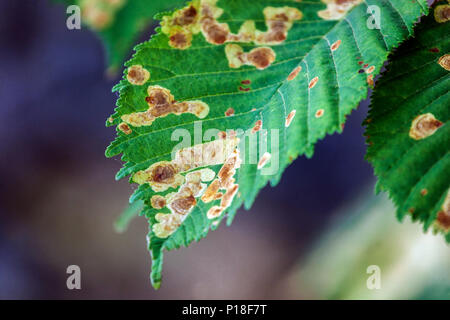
(408, 127)
(126, 24)
(337, 59)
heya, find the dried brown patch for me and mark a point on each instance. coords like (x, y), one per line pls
(161, 103)
(137, 75)
(158, 202)
(424, 126)
(444, 62)
(442, 13)
(124, 128)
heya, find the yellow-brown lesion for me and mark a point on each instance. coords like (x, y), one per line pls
(100, 14)
(137, 75)
(202, 16)
(261, 58)
(225, 181)
(185, 173)
(337, 9)
(162, 103)
(443, 216)
(442, 13)
(424, 126)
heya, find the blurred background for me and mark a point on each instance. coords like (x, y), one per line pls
(311, 237)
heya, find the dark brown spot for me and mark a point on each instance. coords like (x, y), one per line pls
(163, 173)
(244, 89)
(246, 82)
(261, 58)
(443, 220)
(183, 205)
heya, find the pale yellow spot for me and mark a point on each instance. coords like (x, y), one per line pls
(337, 9)
(161, 103)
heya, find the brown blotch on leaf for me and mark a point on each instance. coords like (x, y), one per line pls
(162, 103)
(161, 176)
(261, 58)
(294, 73)
(335, 45)
(424, 192)
(424, 126)
(158, 202)
(229, 112)
(337, 9)
(313, 82)
(444, 62)
(319, 113)
(434, 50)
(244, 89)
(246, 82)
(442, 13)
(186, 16)
(125, 128)
(137, 75)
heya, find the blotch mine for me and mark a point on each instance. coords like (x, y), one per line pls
(158, 202)
(261, 58)
(125, 128)
(444, 62)
(161, 103)
(337, 9)
(137, 75)
(442, 13)
(424, 126)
